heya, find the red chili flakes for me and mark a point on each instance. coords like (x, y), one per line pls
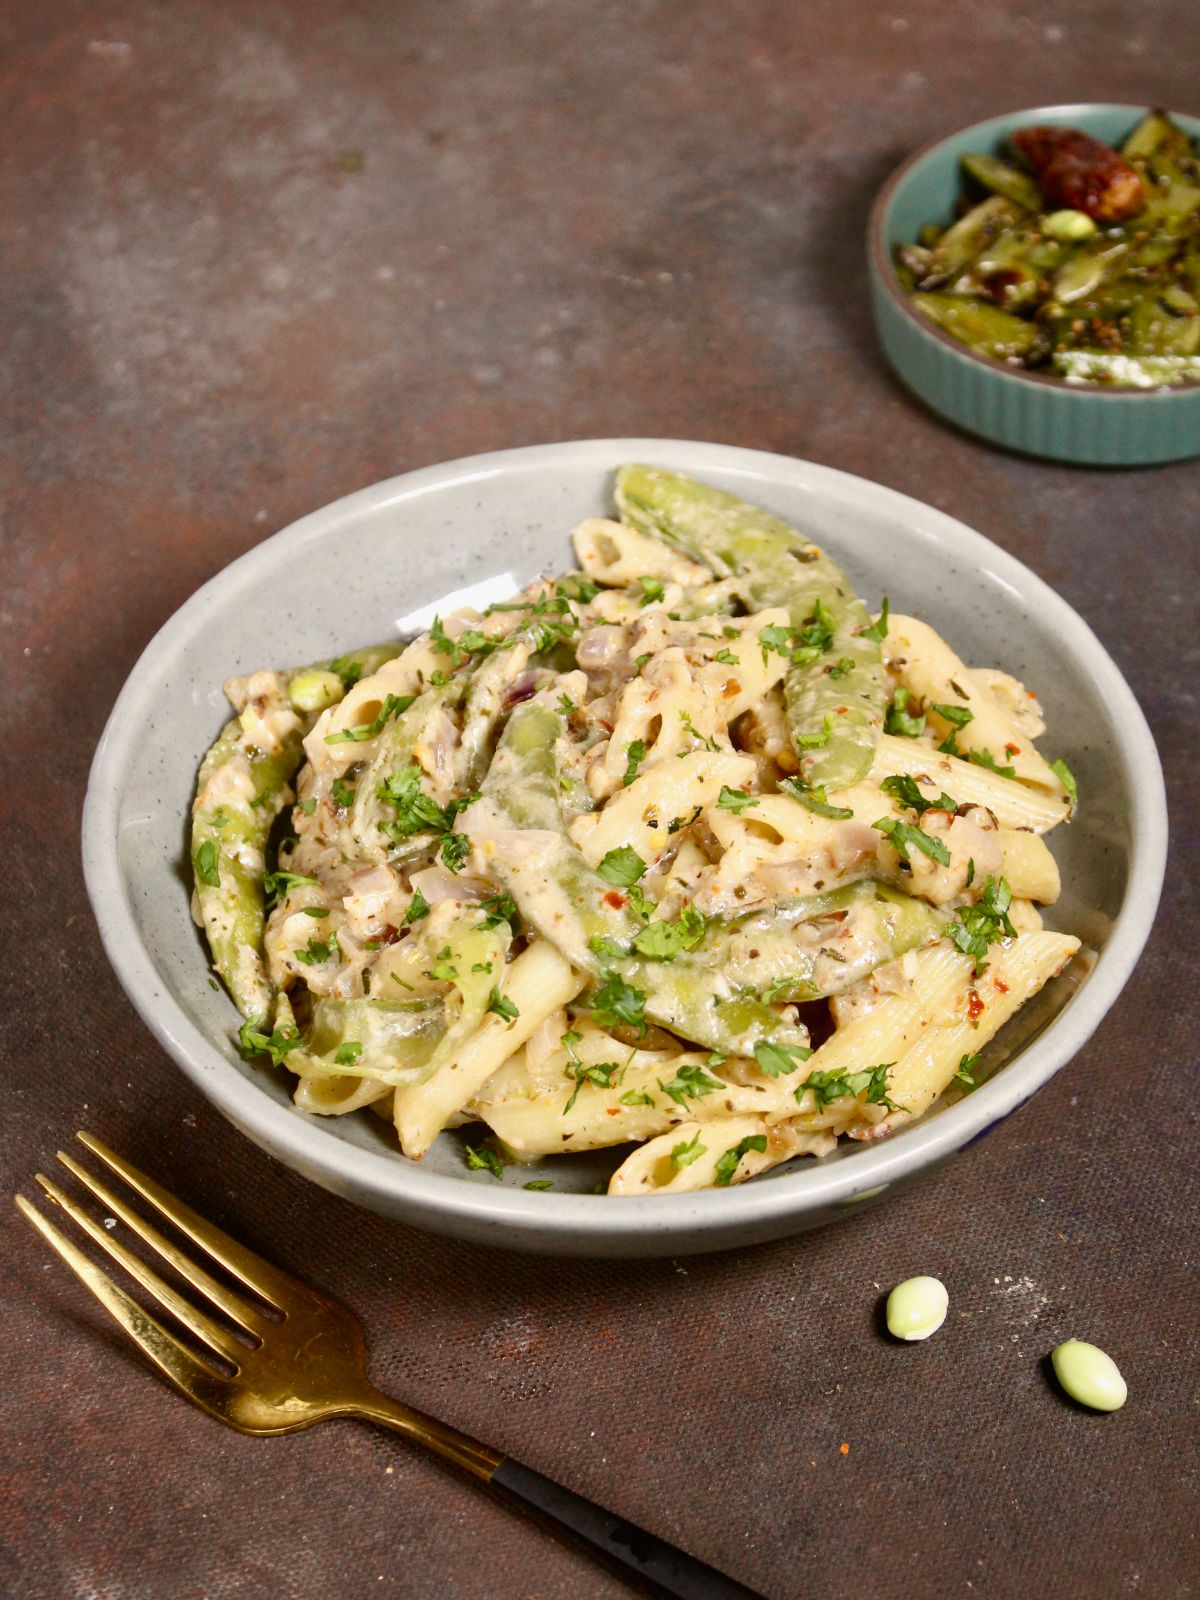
(974, 1006)
(731, 689)
(1003, 987)
(615, 900)
(844, 1449)
(1012, 749)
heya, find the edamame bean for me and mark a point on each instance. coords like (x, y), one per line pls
(916, 1308)
(315, 690)
(1068, 225)
(1090, 1376)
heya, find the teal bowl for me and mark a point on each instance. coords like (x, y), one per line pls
(1026, 411)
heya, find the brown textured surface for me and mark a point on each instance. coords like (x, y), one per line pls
(257, 255)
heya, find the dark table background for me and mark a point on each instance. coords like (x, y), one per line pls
(256, 255)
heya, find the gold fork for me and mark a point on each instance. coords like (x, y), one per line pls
(305, 1361)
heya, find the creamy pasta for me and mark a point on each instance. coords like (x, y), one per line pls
(684, 853)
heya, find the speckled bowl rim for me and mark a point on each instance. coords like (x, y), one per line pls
(885, 271)
(598, 1224)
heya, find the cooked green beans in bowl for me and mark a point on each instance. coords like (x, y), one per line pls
(1036, 278)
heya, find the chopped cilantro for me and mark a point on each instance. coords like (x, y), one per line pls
(634, 1097)
(777, 1060)
(501, 1005)
(663, 941)
(601, 1074)
(967, 1069)
(693, 732)
(622, 867)
(315, 911)
(833, 1085)
(307, 806)
(455, 849)
(906, 792)
(878, 629)
(727, 658)
(635, 754)
(498, 908)
(735, 800)
(566, 706)
(616, 1002)
(276, 1045)
(727, 1165)
(686, 1152)
(813, 798)
(690, 1083)
(815, 741)
(652, 589)
(841, 667)
(984, 923)
(900, 720)
(903, 837)
(418, 907)
(540, 1183)
(957, 717)
(1067, 779)
(984, 758)
(205, 862)
(480, 1158)
(314, 952)
(775, 637)
(443, 969)
(393, 706)
(348, 1053)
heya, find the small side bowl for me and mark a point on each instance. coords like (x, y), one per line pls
(1036, 414)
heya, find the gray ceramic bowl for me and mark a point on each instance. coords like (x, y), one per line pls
(359, 568)
(1043, 416)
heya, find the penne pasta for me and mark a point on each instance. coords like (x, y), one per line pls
(584, 867)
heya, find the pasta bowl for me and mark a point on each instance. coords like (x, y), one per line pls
(378, 563)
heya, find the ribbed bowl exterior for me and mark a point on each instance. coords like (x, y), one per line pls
(1039, 416)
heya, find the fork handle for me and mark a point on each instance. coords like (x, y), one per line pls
(652, 1560)
(630, 1547)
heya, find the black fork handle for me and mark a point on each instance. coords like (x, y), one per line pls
(650, 1559)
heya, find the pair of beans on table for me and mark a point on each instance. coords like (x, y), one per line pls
(917, 1308)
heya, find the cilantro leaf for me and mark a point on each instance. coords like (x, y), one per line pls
(967, 1068)
(816, 741)
(833, 1085)
(455, 849)
(652, 589)
(342, 793)
(616, 1003)
(314, 953)
(1067, 779)
(686, 1152)
(276, 1045)
(498, 908)
(622, 867)
(205, 862)
(348, 1053)
(635, 754)
(813, 798)
(690, 1083)
(693, 732)
(663, 941)
(480, 1158)
(735, 800)
(906, 792)
(727, 658)
(984, 923)
(878, 629)
(899, 720)
(777, 1060)
(502, 1006)
(540, 1183)
(418, 907)
(393, 706)
(903, 837)
(984, 758)
(727, 1165)
(632, 1097)
(957, 717)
